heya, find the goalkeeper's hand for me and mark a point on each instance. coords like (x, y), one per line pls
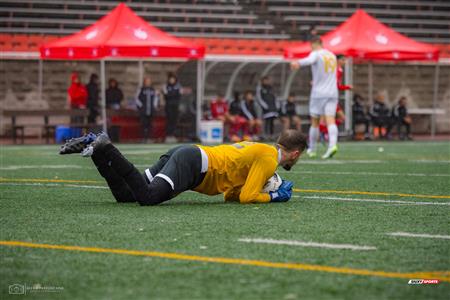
(284, 192)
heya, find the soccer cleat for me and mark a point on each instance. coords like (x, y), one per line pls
(101, 141)
(311, 153)
(330, 152)
(77, 145)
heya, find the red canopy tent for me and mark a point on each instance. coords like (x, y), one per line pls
(123, 34)
(362, 36)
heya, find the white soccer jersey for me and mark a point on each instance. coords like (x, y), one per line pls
(323, 66)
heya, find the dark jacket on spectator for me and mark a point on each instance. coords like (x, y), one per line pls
(172, 93)
(288, 109)
(379, 110)
(114, 97)
(267, 100)
(399, 112)
(248, 110)
(147, 101)
(235, 108)
(358, 111)
(93, 92)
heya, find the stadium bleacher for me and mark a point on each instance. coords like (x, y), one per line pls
(427, 21)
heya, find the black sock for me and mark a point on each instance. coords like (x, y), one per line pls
(128, 172)
(119, 188)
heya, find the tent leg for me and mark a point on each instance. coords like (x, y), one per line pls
(40, 78)
(103, 95)
(348, 94)
(287, 85)
(370, 82)
(435, 96)
(200, 82)
(141, 72)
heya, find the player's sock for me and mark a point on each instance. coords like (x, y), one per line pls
(313, 137)
(119, 188)
(332, 135)
(128, 172)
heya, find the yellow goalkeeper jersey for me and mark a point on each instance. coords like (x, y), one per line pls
(239, 171)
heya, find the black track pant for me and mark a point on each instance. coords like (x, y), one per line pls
(172, 109)
(126, 183)
(269, 126)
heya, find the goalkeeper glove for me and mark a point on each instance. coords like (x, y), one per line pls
(283, 193)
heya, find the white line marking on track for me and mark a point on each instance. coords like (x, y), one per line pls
(20, 167)
(55, 185)
(306, 244)
(372, 200)
(419, 235)
(369, 173)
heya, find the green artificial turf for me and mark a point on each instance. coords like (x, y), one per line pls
(85, 214)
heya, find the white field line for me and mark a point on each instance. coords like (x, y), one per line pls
(419, 235)
(368, 173)
(339, 162)
(369, 200)
(55, 185)
(20, 167)
(369, 161)
(306, 244)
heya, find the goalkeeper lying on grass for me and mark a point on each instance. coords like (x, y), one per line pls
(239, 171)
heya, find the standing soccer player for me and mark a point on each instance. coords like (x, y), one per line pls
(324, 95)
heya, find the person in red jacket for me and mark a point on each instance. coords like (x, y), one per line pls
(77, 93)
(340, 74)
(219, 108)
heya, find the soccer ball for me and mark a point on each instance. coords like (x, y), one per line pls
(272, 184)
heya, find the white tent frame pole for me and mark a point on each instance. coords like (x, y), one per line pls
(348, 94)
(210, 67)
(435, 99)
(287, 86)
(370, 81)
(141, 72)
(103, 94)
(200, 92)
(40, 78)
(234, 75)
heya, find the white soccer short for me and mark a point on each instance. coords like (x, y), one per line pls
(323, 107)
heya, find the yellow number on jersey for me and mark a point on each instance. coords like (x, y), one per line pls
(329, 63)
(242, 144)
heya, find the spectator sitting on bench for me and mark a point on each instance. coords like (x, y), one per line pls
(379, 114)
(238, 124)
(114, 95)
(360, 116)
(401, 118)
(288, 114)
(254, 123)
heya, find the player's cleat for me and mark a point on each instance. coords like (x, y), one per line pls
(311, 154)
(101, 141)
(330, 152)
(77, 145)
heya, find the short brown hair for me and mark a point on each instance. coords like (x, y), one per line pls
(316, 39)
(292, 139)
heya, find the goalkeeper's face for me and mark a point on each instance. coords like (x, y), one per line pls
(290, 159)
